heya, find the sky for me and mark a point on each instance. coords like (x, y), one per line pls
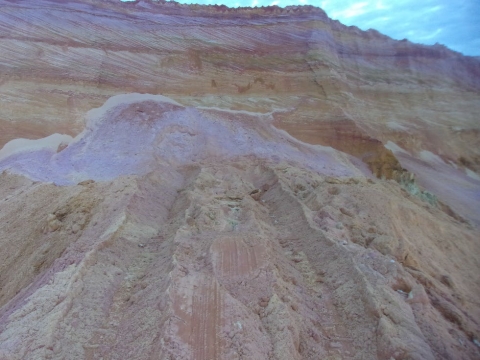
(454, 23)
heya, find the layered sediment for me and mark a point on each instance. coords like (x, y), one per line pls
(338, 86)
(270, 184)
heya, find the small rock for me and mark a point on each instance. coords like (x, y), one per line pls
(333, 190)
(447, 280)
(53, 226)
(53, 223)
(387, 245)
(61, 146)
(332, 180)
(346, 212)
(75, 228)
(86, 182)
(418, 295)
(256, 194)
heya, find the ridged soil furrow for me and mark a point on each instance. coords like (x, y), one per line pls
(353, 300)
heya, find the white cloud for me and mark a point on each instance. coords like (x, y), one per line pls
(429, 36)
(433, 9)
(352, 11)
(381, 6)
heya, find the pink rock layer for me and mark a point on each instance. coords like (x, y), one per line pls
(133, 133)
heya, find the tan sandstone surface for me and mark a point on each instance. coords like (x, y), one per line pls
(192, 226)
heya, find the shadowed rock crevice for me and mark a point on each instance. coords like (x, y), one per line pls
(344, 135)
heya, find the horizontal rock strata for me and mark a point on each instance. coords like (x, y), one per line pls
(191, 182)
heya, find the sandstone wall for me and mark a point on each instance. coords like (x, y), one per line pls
(341, 86)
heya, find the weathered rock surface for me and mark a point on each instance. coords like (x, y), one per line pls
(193, 227)
(205, 233)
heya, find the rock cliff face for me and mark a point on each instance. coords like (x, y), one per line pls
(270, 185)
